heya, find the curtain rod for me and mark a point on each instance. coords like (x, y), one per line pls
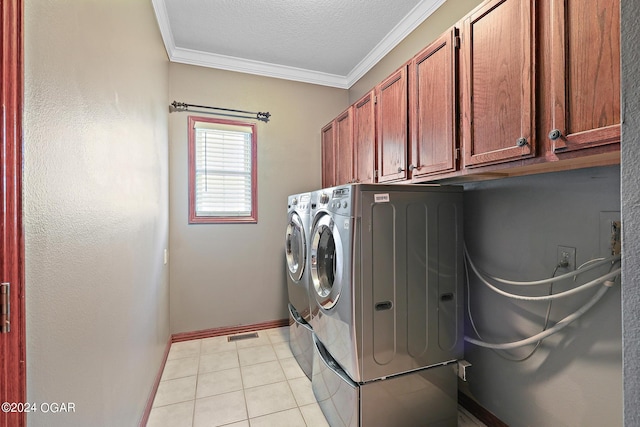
(181, 106)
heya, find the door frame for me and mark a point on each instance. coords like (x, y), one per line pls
(13, 343)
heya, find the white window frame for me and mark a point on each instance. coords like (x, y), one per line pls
(234, 180)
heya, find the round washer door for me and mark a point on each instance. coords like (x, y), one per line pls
(326, 262)
(295, 247)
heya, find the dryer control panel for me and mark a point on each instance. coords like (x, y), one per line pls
(340, 201)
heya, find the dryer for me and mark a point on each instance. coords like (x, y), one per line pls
(387, 304)
(296, 254)
(387, 277)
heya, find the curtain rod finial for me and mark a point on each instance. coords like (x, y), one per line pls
(178, 106)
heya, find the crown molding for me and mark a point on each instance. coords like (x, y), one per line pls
(204, 59)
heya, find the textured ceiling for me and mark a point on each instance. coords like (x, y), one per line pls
(328, 42)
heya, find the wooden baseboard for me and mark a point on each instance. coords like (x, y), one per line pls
(228, 330)
(479, 411)
(152, 395)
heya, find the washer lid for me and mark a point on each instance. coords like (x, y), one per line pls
(295, 247)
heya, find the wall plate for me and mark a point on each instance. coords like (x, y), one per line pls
(568, 254)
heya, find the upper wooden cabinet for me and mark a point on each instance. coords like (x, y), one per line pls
(433, 107)
(344, 147)
(391, 127)
(328, 155)
(498, 103)
(585, 73)
(337, 150)
(520, 87)
(364, 139)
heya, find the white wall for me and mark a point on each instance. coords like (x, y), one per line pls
(95, 208)
(631, 207)
(234, 274)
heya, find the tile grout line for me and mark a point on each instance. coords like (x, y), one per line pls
(244, 393)
(195, 392)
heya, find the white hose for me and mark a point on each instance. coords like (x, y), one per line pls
(567, 293)
(578, 271)
(557, 327)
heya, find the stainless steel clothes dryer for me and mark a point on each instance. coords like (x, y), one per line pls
(386, 270)
(296, 252)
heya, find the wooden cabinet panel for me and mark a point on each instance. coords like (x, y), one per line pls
(364, 139)
(344, 148)
(585, 80)
(432, 100)
(328, 155)
(391, 127)
(498, 95)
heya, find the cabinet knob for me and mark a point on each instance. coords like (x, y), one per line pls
(412, 167)
(521, 142)
(555, 134)
(400, 169)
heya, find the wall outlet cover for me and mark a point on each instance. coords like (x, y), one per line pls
(567, 254)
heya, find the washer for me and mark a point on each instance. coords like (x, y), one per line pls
(387, 277)
(296, 254)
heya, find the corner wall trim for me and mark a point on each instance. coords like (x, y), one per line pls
(228, 330)
(479, 411)
(154, 389)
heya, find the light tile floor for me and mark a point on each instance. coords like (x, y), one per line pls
(247, 383)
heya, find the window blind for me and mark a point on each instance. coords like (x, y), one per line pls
(223, 170)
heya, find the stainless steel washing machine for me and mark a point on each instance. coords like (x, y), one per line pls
(298, 279)
(387, 277)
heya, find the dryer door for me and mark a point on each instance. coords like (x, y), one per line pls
(327, 263)
(295, 247)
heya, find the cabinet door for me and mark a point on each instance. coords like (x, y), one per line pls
(391, 127)
(328, 156)
(432, 100)
(364, 139)
(498, 96)
(344, 148)
(585, 80)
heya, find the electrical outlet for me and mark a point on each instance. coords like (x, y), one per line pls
(610, 232)
(566, 257)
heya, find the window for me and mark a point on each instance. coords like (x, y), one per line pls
(222, 171)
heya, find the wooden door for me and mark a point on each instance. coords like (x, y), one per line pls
(585, 79)
(364, 138)
(498, 95)
(432, 100)
(328, 155)
(391, 127)
(12, 342)
(344, 148)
